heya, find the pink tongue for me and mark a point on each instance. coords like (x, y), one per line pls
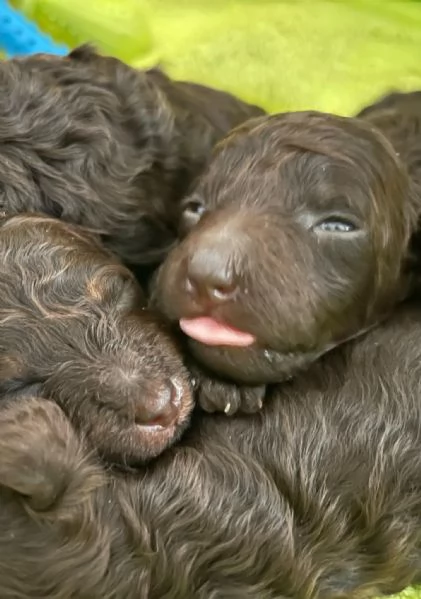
(211, 332)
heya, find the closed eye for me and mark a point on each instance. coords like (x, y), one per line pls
(334, 222)
(192, 211)
(335, 225)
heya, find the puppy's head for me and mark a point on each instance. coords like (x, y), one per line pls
(295, 241)
(87, 139)
(73, 328)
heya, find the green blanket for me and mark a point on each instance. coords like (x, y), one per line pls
(333, 56)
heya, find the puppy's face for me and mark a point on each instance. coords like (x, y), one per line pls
(294, 242)
(73, 328)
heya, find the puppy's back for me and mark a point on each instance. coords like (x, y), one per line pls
(320, 494)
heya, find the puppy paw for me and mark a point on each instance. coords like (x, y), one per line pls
(41, 457)
(215, 395)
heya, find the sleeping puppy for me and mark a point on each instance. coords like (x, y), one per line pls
(317, 496)
(73, 328)
(92, 141)
(296, 240)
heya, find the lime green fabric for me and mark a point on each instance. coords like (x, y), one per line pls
(334, 56)
(117, 27)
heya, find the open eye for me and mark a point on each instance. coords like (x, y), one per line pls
(336, 225)
(192, 212)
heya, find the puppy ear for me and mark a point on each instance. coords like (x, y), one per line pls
(85, 53)
(202, 116)
(41, 457)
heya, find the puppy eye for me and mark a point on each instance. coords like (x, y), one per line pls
(335, 225)
(193, 210)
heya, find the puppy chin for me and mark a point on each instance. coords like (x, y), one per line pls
(137, 444)
(253, 365)
(123, 442)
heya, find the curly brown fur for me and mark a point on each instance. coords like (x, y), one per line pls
(73, 327)
(317, 496)
(95, 142)
(297, 235)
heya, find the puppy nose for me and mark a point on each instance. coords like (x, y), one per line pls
(210, 277)
(159, 405)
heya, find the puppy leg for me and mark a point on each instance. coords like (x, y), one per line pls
(216, 395)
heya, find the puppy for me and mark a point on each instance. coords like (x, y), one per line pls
(296, 240)
(73, 328)
(88, 139)
(318, 495)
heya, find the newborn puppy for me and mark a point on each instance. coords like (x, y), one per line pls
(73, 328)
(317, 496)
(95, 142)
(296, 240)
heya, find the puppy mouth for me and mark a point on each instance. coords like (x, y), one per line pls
(156, 430)
(160, 424)
(212, 332)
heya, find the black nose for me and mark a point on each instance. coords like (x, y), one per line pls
(159, 405)
(210, 276)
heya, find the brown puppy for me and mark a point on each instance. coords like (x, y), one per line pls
(94, 142)
(73, 328)
(317, 496)
(297, 237)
